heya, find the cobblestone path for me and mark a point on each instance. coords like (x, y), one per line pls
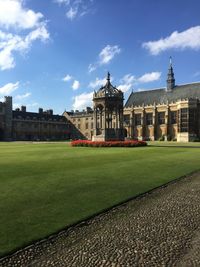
(159, 229)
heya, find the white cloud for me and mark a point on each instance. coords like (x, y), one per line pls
(126, 83)
(91, 68)
(66, 2)
(39, 33)
(125, 87)
(83, 100)
(72, 13)
(67, 78)
(9, 88)
(75, 85)
(108, 53)
(10, 43)
(105, 56)
(128, 78)
(23, 96)
(189, 38)
(6, 59)
(149, 77)
(76, 8)
(13, 14)
(97, 83)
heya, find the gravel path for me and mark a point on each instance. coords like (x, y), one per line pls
(159, 229)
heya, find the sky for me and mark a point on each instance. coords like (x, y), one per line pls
(55, 53)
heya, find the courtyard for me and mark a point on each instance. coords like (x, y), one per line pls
(47, 187)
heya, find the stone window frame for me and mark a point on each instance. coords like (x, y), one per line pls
(173, 116)
(161, 117)
(183, 114)
(149, 118)
(138, 122)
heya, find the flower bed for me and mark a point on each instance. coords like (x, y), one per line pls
(130, 143)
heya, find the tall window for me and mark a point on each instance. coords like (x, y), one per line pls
(86, 125)
(161, 117)
(193, 120)
(149, 118)
(173, 117)
(137, 119)
(183, 120)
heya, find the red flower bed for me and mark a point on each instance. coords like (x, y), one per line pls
(130, 143)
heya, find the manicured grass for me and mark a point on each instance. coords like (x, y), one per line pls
(45, 187)
(171, 143)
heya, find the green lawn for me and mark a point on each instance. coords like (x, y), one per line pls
(171, 143)
(45, 187)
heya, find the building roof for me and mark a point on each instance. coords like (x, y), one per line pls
(38, 116)
(161, 95)
(80, 113)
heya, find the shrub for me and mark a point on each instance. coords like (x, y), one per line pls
(129, 143)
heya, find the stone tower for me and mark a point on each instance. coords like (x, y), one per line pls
(108, 113)
(8, 118)
(170, 77)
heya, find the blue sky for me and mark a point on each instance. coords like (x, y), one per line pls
(55, 53)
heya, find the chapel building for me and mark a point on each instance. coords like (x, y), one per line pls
(169, 113)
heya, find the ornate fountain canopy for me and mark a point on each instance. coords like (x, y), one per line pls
(108, 90)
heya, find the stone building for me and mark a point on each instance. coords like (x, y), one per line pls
(22, 125)
(82, 123)
(171, 113)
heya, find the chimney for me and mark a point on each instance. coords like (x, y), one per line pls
(50, 112)
(23, 108)
(88, 109)
(40, 110)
